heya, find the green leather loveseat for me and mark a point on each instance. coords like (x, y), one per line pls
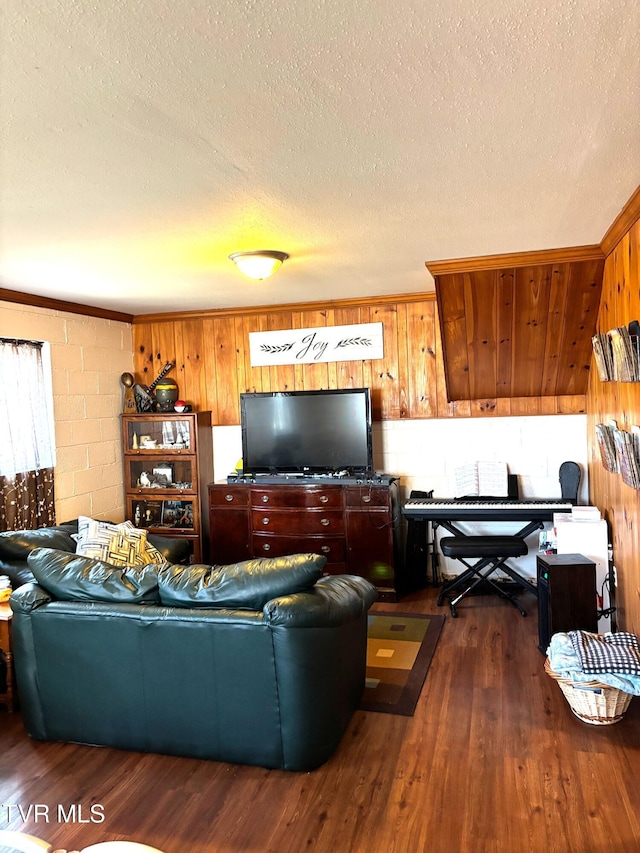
(261, 662)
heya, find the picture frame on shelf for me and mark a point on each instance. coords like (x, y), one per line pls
(164, 472)
(177, 514)
(147, 513)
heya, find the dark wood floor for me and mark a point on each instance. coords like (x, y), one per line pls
(493, 762)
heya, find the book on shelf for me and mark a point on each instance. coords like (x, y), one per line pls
(476, 479)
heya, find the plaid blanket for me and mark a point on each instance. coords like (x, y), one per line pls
(617, 652)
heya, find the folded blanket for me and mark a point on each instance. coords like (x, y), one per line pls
(564, 661)
(617, 652)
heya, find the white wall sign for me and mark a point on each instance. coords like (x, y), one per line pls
(308, 346)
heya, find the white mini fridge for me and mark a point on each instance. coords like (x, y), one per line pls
(589, 538)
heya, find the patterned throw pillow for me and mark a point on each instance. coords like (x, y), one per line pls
(152, 555)
(144, 554)
(116, 544)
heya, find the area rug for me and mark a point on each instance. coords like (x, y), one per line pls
(400, 647)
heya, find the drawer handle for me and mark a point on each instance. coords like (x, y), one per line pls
(265, 520)
(325, 549)
(266, 547)
(324, 499)
(366, 499)
(228, 497)
(265, 499)
(325, 522)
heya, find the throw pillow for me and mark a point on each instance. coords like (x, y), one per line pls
(113, 543)
(152, 555)
(242, 586)
(71, 577)
(120, 544)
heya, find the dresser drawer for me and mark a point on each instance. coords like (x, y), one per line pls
(221, 496)
(290, 496)
(320, 521)
(364, 496)
(333, 548)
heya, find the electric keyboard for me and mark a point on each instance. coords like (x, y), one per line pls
(437, 509)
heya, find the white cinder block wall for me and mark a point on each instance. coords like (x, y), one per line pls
(425, 453)
(88, 356)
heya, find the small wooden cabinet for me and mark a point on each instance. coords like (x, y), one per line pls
(168, 460)
(8, 697)
(353, 526)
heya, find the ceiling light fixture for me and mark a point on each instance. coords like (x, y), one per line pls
(260, 264)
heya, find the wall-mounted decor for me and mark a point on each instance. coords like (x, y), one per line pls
(617, 353)
(620, 451)
(308, 346)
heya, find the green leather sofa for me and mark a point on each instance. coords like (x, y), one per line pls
(260, 663)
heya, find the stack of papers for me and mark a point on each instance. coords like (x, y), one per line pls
(603, 356)
(627, 458)
(607, 446)
(585, 513)
(625, 355)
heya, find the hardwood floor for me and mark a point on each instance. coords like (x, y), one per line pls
(492, 761)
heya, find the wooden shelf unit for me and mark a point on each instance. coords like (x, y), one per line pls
(168, 460)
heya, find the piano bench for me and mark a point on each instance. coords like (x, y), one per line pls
(491, 554)
(483, 546)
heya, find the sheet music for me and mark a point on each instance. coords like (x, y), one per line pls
(482, 478)
(467, 480)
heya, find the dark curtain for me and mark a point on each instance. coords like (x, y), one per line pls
(27, 500)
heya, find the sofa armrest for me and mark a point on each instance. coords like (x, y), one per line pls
(29, 597)
(18, 544)
(334, 600)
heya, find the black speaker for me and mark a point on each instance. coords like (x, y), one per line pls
(567, 596)
(417, 550)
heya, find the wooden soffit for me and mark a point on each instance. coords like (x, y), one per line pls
(518, 325)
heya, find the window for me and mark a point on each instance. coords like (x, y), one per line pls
(27, 440)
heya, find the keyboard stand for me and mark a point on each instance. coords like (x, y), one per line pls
(491, 553)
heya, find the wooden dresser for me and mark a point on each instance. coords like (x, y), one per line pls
(353, 526)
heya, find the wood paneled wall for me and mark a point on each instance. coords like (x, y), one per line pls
(619, 401)
(211, 351)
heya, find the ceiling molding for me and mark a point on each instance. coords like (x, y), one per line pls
(627, 217)
(572, 254)
(62, 305)
(285, 308)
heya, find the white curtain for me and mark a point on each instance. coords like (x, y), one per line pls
(27, 441)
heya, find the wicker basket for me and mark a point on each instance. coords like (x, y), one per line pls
(592, 702)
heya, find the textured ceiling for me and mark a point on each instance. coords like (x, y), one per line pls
(143, 142)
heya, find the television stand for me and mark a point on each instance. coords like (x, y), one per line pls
(353, 522)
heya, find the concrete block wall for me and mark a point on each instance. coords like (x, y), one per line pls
(88, 356)
(425, 454)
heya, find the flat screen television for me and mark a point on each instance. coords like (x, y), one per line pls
(307, 432)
